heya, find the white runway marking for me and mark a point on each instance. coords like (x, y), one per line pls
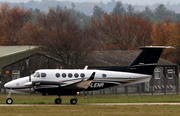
(101, 104)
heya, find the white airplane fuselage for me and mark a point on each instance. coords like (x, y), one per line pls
(102, 79)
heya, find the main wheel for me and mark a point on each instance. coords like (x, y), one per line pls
(58, 101)
(9, 101)
(73, 101)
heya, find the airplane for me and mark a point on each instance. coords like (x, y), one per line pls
(62, 82)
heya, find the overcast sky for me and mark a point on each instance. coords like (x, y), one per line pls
(133, 2)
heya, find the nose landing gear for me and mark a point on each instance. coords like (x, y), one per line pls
(9, 100)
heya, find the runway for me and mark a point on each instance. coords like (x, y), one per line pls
(100, 104)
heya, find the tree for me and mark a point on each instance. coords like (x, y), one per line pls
(62, 37)
(130, 10)
(167, 33)
(123, 32)
(147, 13)
(97, 11)
(161, 12)
(119, 8)
(12, 24)
(34, 13)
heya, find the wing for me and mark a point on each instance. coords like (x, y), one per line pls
(83, 84)
(69, 84)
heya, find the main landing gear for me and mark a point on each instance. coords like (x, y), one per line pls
(73, 101)
(9, 100)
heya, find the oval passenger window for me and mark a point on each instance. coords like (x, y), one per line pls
(70, 75)
(82, 75)
(64, 75)
(57, 75)
(76, 75)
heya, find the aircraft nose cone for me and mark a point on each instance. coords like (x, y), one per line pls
(6, 85)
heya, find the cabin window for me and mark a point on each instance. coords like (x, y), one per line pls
(157, 73)
(170, 73)
(64, 75)
(104, 75)
(57, 75)
(70, 75)
(76, 75)
(43, 74)
(15, 74)
(82, 75)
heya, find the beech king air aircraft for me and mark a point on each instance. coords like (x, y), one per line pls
(70, 81)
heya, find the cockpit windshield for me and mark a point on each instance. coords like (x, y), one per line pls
(36, 74)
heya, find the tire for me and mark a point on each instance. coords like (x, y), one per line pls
(58, 101)
(73, 101)
(9, 101)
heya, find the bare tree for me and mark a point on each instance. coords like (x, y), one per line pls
(12, 23)
(123, 32)
(61, 37)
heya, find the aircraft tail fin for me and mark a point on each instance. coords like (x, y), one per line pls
(147, 60)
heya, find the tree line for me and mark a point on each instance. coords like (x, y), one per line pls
(61, 34)
(159, 13)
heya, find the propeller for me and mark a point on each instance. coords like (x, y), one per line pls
(30, 81)
(29, 78)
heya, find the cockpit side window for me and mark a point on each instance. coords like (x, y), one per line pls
(43, 74)
(36, 74)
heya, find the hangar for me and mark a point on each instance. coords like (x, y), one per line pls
(19, 61)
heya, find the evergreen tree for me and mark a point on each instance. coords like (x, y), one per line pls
(147, 13)
(97, 11)
(119, 9)
(130, 10)
(161, 12)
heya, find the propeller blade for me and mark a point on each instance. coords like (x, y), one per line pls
(30, 78)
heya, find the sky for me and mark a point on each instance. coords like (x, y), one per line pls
(133, 2)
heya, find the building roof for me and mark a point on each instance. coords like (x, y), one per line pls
(11, 54)
(117, 58)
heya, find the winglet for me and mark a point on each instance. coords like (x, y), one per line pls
(92, 76)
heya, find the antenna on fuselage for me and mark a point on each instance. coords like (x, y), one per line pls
(86, 67)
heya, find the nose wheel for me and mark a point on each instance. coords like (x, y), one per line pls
(9, 101)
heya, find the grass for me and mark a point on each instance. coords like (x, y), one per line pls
(38, 99)
(88, 110)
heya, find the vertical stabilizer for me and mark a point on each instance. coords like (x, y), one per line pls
(147, 60)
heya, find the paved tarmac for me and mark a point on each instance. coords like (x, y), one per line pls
(101, 104)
